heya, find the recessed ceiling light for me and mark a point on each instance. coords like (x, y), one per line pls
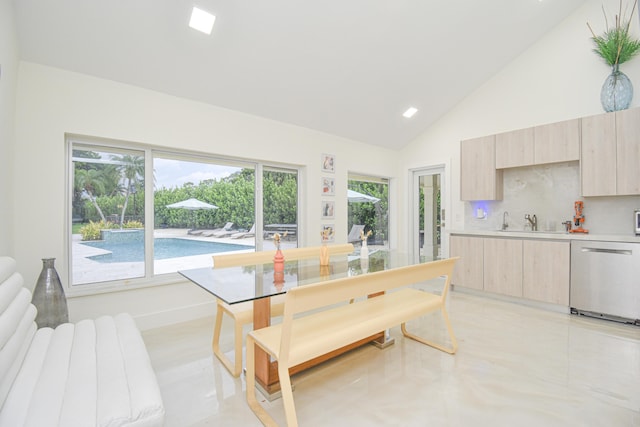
(410, 112)
(201, 20)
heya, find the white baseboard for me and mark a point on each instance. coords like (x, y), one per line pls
(176, 315)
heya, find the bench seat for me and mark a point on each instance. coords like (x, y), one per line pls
(316, 333)
(312, 324)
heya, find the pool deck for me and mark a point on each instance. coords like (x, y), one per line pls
(87, 271)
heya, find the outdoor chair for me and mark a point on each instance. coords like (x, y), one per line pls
(243, 234)
(209, 233)
(354, 234)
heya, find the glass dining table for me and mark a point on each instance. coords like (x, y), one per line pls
(259, 283)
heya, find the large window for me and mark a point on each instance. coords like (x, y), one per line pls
(141, 213)
(368, 209)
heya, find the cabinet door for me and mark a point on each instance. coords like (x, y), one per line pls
(557, 142)
(628, 151)
(546, 267)
(503, 266)
(514, 148)
(479, 179)
(468, 269)
(598, 155)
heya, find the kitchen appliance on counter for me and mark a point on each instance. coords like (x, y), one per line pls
(636, 219)
(578, 218)
(604, 280)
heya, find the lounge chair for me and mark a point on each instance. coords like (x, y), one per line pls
(194, 232)
(243, 234)
(354, 234)
(209, 233)
(225, 232)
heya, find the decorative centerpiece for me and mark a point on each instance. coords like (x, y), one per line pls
(278, 259)
(364, 249)
(616, 46)
(326, 235)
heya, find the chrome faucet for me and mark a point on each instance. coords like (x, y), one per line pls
(533, 220)
(505, 216)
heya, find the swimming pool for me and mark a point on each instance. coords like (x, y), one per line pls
(163, 248)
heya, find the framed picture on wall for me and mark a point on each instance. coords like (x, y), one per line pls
(328, 233)
(328, 207)
(328, 163)
(328, 186)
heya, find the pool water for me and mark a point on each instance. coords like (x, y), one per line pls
(162, 248)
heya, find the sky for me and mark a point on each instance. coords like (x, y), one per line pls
(171, 173)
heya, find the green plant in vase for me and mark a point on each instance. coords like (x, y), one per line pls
(616, 46)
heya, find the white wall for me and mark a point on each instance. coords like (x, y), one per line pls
(558, 78)
(52, 102)
(8, 82)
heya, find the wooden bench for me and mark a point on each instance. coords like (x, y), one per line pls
(242, 313)
(306, 333)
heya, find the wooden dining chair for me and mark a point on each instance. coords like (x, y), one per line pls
(242, 313)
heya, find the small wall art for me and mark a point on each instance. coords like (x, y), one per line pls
(328, 186)
(328, 163)
(328, 233)
(328, 209)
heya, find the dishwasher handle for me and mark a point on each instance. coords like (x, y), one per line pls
(609, 251)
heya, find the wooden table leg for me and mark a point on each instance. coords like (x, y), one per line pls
(264, 371)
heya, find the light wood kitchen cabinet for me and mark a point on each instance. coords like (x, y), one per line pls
(557, 142)
(514, 149)
(546, 269)
(628, 152)
(479, 179)
(598, 155)
(468, 269)
(503, 266)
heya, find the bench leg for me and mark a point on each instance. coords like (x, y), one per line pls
(454, 342)
(287, 396)
(233, 368)
(255, 406)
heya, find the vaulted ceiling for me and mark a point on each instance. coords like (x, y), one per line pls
(346, 67)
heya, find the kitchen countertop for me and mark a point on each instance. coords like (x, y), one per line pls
(549, 235)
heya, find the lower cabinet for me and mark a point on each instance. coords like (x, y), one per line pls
(546, 271)
(468, 269)
(503, 266)
(535, 269)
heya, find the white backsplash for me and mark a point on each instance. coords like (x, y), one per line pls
(549, 192)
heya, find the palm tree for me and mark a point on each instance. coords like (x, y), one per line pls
(132, 168)
(92, 183)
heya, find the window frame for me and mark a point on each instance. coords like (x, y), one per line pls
(151, 152)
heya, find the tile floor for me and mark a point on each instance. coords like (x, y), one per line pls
(516, 366)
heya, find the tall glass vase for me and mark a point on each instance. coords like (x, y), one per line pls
(617, 91)
(49, 298)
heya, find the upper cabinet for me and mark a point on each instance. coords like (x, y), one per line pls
(607, 146)
(552, 143)
(611, 154)
(514, 148)
(479, 179)
(557, 142)
(628, 151)
(598, 157)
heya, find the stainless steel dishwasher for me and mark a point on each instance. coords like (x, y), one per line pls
(605, 280)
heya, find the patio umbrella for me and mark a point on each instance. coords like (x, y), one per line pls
(192, 205)
(355, 197)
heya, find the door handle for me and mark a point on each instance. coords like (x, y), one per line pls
(609, 251)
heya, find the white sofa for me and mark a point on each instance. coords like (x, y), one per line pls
(92, 373)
